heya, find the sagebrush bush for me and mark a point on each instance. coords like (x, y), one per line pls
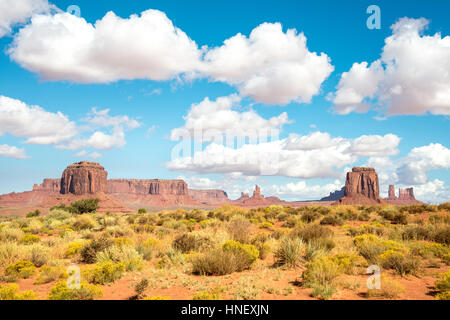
(127, 255)
(239, 228)
(49, 274)
(105, 272)
(20, 270)
(320, 275)
(443, 285)
(402, 263)
(192, 242)
(312, 232)
(89, 251)
(29, 239)
(11, 292)
(86, 291)
(289, 252)
(390, 289)
(39, 255)
(332, 220)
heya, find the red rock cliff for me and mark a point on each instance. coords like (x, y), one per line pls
(84, 178)
(143, 187)
(209, 196)
(361, 187)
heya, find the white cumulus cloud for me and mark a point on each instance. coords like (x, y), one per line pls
(270, 66)
(12, 152)
(411, 77)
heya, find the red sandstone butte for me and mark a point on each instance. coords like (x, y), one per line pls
(210, 197)
(361, 187)
(405, 196)
(84, 178)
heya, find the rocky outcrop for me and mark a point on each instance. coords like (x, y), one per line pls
(49, 185)
(335, 196)
(84, 178)
(405, 196)
(361, 187)
(257, 199)
(210, 197)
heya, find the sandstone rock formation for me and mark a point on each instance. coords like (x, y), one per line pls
(153, 187)
(405, 196)
(49, 185)
(257, 199)
(210, 197)
(335, 196)
(361, 187)
(84, 178)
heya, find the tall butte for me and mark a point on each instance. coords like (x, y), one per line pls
(361, 187)
(83, 178)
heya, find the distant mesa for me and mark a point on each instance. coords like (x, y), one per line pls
(335, 196)
(89, 179)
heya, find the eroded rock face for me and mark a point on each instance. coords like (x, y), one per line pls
(84, 178)
(144, 187)
(257, 193)
(405, 196)
(361, 187)
(391, 193)
(362, 181)
(49, 185)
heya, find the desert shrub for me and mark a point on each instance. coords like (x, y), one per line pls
(441, 234)
(105, 272)
(415, 232)
(373, 228)
(10, 292)
(259, 241)
(86, 291)
(83, 222)
(443, 285)
(48, 274)
(191, 242)
(347, 262)
(312, 232)
(317, 248)
(84, 206)
(394, 215)
(446, 258)
(239, 228)
(289, 252)
(247, 254)
(148, 247)
(123, 242)
(320, 275)
(402, 263)
(39, 255)
(128, 256)
(33, 214)
(10, 253)
(332, 220)
(29, 239)
(89, 251)
(232, 257)
(418, 208)
(140, 287)
(364, 216)
(390, 289)
(266, 225)
(74, 248)
(309, 216)
(10, 234)
(20, 270)
(171, 258)
(444, 206)
(142, 211)
(371, 247)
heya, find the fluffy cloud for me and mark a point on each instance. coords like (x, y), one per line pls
(433, 191)
(269, 66)
(98, 140)
(66, 47)
(102, 118)
(12, 152)
(14, 12)
(415, 166)
(411, 77)
(212, 119)
(372, 146)
(34, 123)
(314, 156)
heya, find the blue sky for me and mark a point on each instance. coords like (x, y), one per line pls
(150, 108)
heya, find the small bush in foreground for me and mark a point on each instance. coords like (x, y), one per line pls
(86, 292)
(390, 289)
(402, 263)
(320, 275)
(191, 242)
(89, 251)
(10, 292)
(443, 285)
(105, 272)
(290, 252)
(20, 270)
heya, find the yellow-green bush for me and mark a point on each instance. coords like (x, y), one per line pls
(443, 285)
(390, 289)
(105, 272)
(401, 262)
(247, 252)
(20, 270)
(320, 275)
(86, 291)
(204, 295)
(74, 248)
(129, 256)
(10, 292)
(347, 262)
(289, 252)
(371, 247)
(49, 274)
(29, 239)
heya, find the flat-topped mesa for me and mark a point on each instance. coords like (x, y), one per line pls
(84, 178)
(150, 186)
(361, 187)
(209, 196)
